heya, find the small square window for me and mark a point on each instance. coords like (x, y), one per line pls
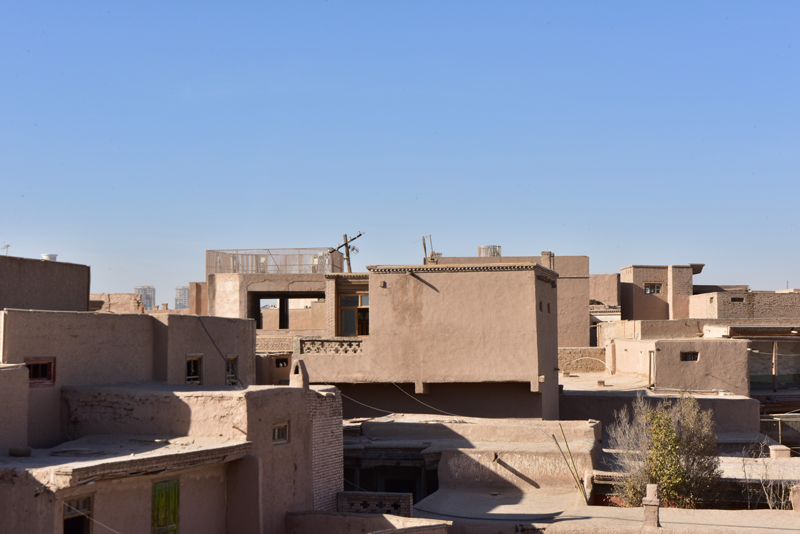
(232, 371)
(652, 289)
(689, 356)
(280, 433)
(281, 362)
(737, 299)
(194, 369)
(41, 371)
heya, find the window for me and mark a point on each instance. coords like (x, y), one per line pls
(281, 362)
(735, 299)
(194, 369)
(280, 433)
(165, 507)
(354, 315)
(689, 356)
(540, 305)
(548, 307)
(41, 371)
(77, 516)
(232, 371)
(652, 289)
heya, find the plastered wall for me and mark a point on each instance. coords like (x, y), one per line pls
(14, 401)
(604, 288)
(43, 285)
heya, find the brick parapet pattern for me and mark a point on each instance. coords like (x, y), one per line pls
(327, 445)
(330, 306)
(273, 344)
(362, 502)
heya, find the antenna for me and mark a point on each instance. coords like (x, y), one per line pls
(348, 248)
(6, 248)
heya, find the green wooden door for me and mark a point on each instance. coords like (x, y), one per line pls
(165, 507)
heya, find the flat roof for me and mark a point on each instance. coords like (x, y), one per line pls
(100, 457)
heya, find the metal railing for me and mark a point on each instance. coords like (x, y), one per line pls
(274, 261)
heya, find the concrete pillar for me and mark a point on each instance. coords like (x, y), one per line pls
(651, 504)
(795, 498)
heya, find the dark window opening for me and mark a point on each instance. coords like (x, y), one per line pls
(737, 299)
(689, 356)
(41, 372)
(194, 370)
(271, 310)
(280, 433)
(77, 514)
(232, 371)
(548, 307)
(354, 315)
(281, 362)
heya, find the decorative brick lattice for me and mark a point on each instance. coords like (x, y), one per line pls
(331, 346)
(362, 502)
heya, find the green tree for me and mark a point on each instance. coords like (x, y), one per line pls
(672, 445)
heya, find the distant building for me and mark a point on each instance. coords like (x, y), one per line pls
(148, 294)
(181, 297)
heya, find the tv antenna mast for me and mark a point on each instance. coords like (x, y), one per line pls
(6, 248)
(424, 248)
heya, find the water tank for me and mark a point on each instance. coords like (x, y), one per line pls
(49, 257)
(489, 251)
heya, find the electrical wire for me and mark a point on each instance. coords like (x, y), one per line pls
(236, 369)
(90, 518)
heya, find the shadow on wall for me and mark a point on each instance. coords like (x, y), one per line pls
(487, 399)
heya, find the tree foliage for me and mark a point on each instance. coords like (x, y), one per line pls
(672, 445)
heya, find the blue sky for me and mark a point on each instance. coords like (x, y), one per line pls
(133, 137)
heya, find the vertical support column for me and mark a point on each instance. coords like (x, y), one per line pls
(283, 313)
(774, 366)
(651, 503)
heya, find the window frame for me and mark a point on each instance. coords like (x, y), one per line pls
(339, 308)
(75, 511)
(232, 380)
(41, 382)
(287, 435)
(688, 358)
(656, 288)
(198, 357)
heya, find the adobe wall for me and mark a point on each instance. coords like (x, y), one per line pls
(198, 298)
(753, 305)
(582, 359)
(312, 318)
(702, 306)
(721, 364)
(88, 349)
(635, 303)
(116, 302)
(248, 414)
(461, 324)
(605, 288)
(631, 357)
(327, 458)
(43, 285)
(14, 402)
(125, 504)
(215, 338)
(675, 329)
(679, 280)
(227, 293)
(573, 290)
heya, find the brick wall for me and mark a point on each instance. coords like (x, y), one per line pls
(362, 502)
(330, 306)
(568, 355)
(756, 305)
(274, 344)
(325, 410)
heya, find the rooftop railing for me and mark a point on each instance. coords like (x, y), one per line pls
(274, 261)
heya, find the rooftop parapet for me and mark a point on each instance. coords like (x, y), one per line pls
(320, 260)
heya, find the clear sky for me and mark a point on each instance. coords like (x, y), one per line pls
(136, 135)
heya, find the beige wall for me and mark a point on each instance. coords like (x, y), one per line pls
(227, 293)
(573, 290)
(14, 402)
(198, 298)
(116, 302)
(604, 288)
(287, 471)
(312, 318)
(216, 338)
(454, 324)
(340, 523)
(92, 349)
(753, 305)
(582, 359)
(43, 285)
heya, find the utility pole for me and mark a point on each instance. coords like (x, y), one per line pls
(346, 246)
